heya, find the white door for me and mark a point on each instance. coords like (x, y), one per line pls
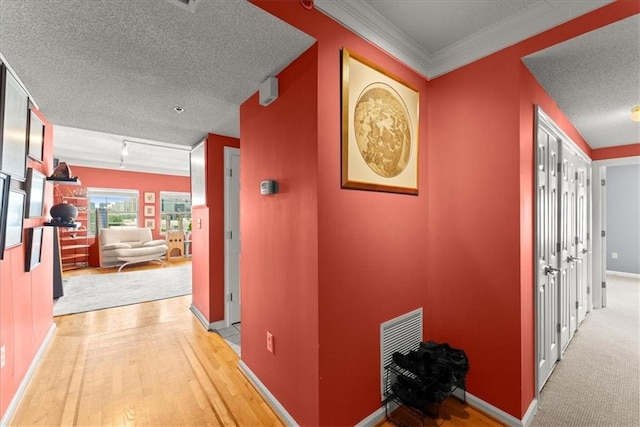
(567, 247)
(232, 241)
(582, 251)
(546, 254)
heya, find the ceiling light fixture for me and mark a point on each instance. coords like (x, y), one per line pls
(122, 162)
(635, 114)
(124, 151)
(178, 110)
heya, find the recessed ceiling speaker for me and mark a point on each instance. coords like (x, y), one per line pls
(268, 91)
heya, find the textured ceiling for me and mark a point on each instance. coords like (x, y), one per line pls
(121, 66)
(595, 80)
(437, 25)
(117, 68)
(437, 36)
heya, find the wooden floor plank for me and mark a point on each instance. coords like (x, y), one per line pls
(147, 364)
(154, 364)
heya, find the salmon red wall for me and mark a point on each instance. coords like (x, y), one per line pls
(470, 254)
(26, 299)
(279, 267)
(200, 281)
(208, 241)
(140, 181)
(616, 152)
(371, 245)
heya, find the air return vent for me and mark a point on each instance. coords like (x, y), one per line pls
(401, 334)
(189, 5)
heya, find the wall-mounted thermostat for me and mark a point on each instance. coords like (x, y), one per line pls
(268, 187)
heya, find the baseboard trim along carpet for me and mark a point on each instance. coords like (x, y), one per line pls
(27, 377)
(266, 394)
(623, 274)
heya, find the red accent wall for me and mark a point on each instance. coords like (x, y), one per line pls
(371, 246)
(463, 248)
(26, 299)
(208, 241)
(279, 268)
(630, 150)
(200, 282)
(140, 181)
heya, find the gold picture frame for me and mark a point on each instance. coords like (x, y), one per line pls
(149, 210)
(379, 128)
(149, 197)
(150, 223)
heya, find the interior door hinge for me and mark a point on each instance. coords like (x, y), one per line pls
(229, 172)
(603, 182)
(558, 328)
(229, 233)
(588, 182)
(577, 240)
(231, 294)
(604, 285)
(603, 233)
(576, 176)
(588, 289)
(577, 305)
(558, 247)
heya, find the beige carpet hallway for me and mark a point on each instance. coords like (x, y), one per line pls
(597, 383)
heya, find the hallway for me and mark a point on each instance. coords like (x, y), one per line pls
(597, 382)
(145, 364)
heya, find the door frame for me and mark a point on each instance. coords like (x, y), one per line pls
(228, 152)
(541, 118)
(599, 243)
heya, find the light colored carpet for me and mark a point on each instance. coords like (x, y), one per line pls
(597, 382)
(98, 291)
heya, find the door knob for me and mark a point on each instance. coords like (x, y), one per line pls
(551, 271)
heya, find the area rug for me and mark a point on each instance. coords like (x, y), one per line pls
(98, 291)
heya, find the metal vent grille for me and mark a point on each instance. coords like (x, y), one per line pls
(404, 333)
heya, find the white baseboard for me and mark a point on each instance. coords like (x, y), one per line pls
(477, 403)
(209, 326)
(377, 417)
(531, 412)
(266, 394)
(623, 274)
(498, 413)
(27, 377)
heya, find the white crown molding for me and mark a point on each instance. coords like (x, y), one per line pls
(363, 20)
(534, 20)
(360, 18)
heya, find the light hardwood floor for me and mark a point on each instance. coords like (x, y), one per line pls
(145, 364)
(154, 364)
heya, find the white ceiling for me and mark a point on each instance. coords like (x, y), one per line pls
(117, 68)
(594, 78)
(120, 67)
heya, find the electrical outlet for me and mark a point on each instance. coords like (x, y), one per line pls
(3, 359)
(270, 342)
(614, 255)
